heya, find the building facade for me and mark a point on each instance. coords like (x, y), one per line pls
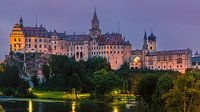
(111, 46)
(196, 61)
(149, 57)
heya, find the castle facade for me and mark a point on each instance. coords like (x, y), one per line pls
(111, 46)
(150, 58)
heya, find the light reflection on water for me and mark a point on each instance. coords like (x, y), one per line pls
(36, 106)
(115, 109)
(30, 106)
(73, 106)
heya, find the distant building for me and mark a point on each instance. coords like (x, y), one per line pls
(149, 57)
(196, 60)
(112, 46)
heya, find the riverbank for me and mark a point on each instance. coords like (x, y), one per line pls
(61, 95)
(58, 95)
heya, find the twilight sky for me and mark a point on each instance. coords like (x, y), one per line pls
(176, 23)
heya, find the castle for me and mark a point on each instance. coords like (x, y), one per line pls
(149, 57)
(111, 46)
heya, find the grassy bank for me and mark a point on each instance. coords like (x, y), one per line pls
(59, 95)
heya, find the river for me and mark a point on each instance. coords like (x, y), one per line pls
(38, 105)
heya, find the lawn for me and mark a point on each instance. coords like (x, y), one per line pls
(58, 95)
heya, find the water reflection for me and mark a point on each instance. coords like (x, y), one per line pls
(115, 109)
(38, 106)
(73, 106)
(30, 106)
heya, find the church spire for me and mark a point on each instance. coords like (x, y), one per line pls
(95, 18)
(145, 35)
(95, 21)
(94, 30)
(145, 46)
(21, 22)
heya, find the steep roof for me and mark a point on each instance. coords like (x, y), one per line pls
(112, 39)
(35, 31)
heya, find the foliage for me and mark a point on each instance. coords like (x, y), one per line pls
(105, 82)
(9, 78)
(185, 95)
(46, 72)
(97, 63)
(56, 82)
(75, 83)
(150, 90)
(146, 87)
(65, 67)
(163, 85)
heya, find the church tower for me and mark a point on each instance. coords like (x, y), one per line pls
(95, 31)
(21, 22)
(145, 46)
(152, 42)
(144, 50)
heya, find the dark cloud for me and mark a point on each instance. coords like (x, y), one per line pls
(176, 23)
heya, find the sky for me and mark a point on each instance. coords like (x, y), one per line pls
(175, 23)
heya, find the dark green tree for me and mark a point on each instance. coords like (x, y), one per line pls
(46, 72)
(163, 85)
(147, 87)
(97, 63)
(75, 84)
(105, 83)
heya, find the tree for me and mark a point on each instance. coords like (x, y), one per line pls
(105, 82)
(75, 84)
(163, 85)
(147, 87)
(46, 72)
(185, 95)
(97, 63)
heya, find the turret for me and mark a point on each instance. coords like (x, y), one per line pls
(152, 42)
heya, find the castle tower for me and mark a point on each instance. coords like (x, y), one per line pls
(152, 42)
(144, 50)
(95, 31)
(145, 46)
(17, 37)
(21, 22)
